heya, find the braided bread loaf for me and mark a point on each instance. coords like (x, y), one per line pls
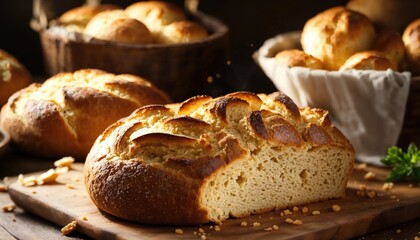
(207, 159)
(64, 115)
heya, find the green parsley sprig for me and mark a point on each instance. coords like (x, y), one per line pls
(405, 165)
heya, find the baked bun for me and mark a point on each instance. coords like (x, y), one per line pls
(411, 38)
(207, 159)
(394, 14)
(155, 14)
(369, 60)
(118, 27)
(80, 16)
(64, 115)
(298, 58)
(390, 43)
(334, 35)
(13, 76)
(182, 32)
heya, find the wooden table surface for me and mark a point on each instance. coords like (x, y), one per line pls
(23, 225)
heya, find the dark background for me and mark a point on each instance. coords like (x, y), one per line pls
(250, 23)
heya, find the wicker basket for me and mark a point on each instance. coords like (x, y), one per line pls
(182, 70)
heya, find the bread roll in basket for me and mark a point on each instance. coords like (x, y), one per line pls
(182, 69)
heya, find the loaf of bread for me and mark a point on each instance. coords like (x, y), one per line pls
(369, 60)
(64, 115)
(182, 32)
(336, 34)
(13, 76)
(117, 26)
(155, 14)
(411, 38)
(298, 58)
(77, 18)
(391, 45)
(206, 159)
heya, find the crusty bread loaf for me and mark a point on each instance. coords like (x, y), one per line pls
(207, 159)
(79, 17)
(391, 45)
(182, 32)
(116, 26)
(334, 35)
(298, 58)
(369, 60)
(411, 38)
(64, 115)
(13, 76)
(155, 14)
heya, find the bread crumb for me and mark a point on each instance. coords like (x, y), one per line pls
(244, 224)
(387, 186)
(360, 193)
(194, 232)
(211, 227)
(360, 167)
(371, 194)
(281, 214)
(47, 177)
(295, 209)
(275, 227)
(289, 220)
(297, 222)
(64, 162)
(362, 187)
(256, 224)
(84, 218)
(370, 176)
(9, 208)
(203, 237)
(287, 212)
(62, 170)
(410, 185)
(75, 179)
(3, 188)
(14, 219)
(305, 210)
(69, 228)
(27, 181)
(179, 231)
(316, 212)
(268, 229)
(70, 186)
(217, 228)
(34, 192)
(200, 230)
(336, 208)
(398, 231)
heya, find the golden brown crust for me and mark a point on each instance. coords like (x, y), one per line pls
(411, 38)
(298, 58)
(334, 35)
(118, 27)
(64, 115)
(149, 167)
(182, 32)
(155, 14)
(391, 45)
(80, 16)
(369, 60)
(13, 76)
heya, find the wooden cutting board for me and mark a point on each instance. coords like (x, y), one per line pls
(359, 215)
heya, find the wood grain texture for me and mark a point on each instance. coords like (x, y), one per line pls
(359, 215)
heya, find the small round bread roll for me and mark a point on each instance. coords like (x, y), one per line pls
(411, 38)
(118, 27)
(334, 35)
(394, 14)
(13, 76)
(64, 115)
(369, 60)
(182, 32)
(298, 58)
(155, 14)
(80, 16)
(390, 43)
